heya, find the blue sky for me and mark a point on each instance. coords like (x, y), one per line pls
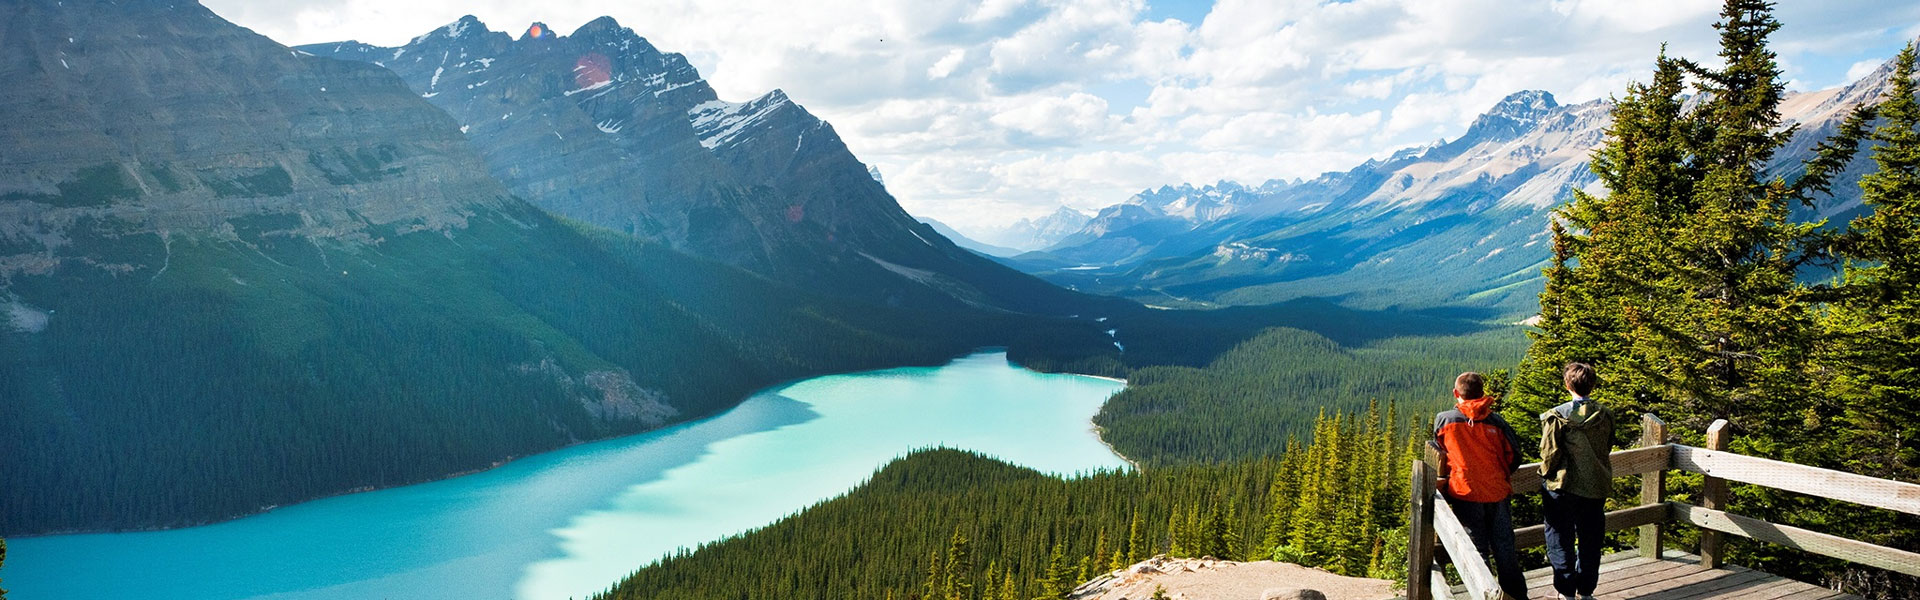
(980, 112)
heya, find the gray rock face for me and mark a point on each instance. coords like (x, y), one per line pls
(172, 120)
(602, 127)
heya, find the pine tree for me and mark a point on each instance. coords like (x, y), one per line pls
(1609, 252)
(1190, 531)
(1732, 341)
(1875, 321)
(959, 569)
(1871, 359)
(1136, 539)
(1057, 579)
(1009, 589)
(1100, 546)
(1213, 535)
(1314, 506)
(1174, 535)
(990, 583)
(1281, 498)
(936, 579)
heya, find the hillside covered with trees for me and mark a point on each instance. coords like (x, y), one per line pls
(956, 525)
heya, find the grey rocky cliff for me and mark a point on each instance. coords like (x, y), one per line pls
(174, 121)
(602, 127)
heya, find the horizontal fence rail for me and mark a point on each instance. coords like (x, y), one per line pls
(1812, 481)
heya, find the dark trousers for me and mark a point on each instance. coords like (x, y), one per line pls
(1576, 535)
(1490, 524)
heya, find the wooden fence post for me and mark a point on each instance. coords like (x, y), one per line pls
(1420, 533)
(1653, 485)
(1713, 495)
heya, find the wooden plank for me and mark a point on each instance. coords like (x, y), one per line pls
(1612, 585)
(1466, 559)
(1779, 588)
(1891, 559)
(1713, 496)
(1727, 584)
(1667, 581)
(1436, 584)
(1647, 574)
(1420, 533)
(1528, 537)
(1814, 592)
(1653, 484)
(1813, 481)
(1612, 567)
(1526, 480)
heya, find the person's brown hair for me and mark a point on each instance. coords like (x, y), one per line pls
(1580, 378)
(1470, 385)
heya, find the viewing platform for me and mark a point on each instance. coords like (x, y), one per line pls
(1677, 576)
(1652, 571)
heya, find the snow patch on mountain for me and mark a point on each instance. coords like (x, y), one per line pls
(719, 122)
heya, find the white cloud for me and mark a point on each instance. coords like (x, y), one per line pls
(984, 111)
(947, 64)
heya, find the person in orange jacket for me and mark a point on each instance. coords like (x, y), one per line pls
(1481, 453)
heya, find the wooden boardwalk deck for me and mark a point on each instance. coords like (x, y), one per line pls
(1679, 576)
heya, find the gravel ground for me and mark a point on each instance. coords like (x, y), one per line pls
(1200, 579)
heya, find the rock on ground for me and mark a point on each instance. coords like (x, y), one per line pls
(1209, 579)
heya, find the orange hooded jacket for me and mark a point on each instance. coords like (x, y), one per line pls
(1480, 451)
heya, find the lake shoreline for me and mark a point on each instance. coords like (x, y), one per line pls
(574, 444)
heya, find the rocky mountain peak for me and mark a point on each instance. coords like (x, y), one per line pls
(467, 25)
(600, 26)
(1513, 116)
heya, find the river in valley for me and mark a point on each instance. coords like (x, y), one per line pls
(569, 523)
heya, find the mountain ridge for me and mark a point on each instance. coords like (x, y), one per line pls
(603, 127)
(1462, 221)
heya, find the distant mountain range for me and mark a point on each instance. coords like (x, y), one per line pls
(1455, 223)
(602, 127)
(1028, 234)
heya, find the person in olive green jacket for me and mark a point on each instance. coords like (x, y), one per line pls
(1576, 439)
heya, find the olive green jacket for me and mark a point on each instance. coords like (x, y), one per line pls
(1575, 442)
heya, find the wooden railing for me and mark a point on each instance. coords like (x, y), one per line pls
(1433, 523)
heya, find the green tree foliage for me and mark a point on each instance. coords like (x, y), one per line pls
(1870, 363)
(1041, 536)
(959, 568)
(1683, 286)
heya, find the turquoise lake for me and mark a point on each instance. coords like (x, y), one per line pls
(568, 523)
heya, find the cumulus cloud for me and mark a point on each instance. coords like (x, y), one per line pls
(985, 111)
